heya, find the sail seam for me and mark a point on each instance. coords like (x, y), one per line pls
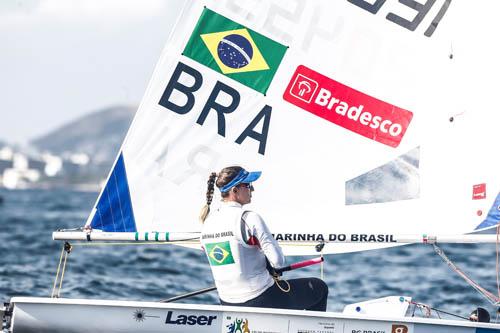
(119, 202)
(100, 217)
(111, 208)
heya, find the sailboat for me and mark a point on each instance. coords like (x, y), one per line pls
(374, 124)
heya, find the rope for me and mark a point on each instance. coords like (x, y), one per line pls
(428, 310)
(494, 300)
(62, 274)
(57, 273)
(422, 307)
(277, 280)
(66, 249)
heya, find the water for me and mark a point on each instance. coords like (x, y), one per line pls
(29, 259)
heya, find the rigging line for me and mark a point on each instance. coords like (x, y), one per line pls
(57, 273)
(423, 307)
(494, 300)
(62, 275)
(428, 310)
(491, 298)
(67, 249)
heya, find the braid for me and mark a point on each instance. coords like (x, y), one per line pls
(210, 195)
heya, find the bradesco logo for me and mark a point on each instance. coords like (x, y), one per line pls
(347, 107)
(191, 320)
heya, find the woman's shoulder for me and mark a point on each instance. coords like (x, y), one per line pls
(252, 217)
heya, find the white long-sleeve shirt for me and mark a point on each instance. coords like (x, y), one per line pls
(239, 269)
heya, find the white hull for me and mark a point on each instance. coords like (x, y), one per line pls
(72, 315)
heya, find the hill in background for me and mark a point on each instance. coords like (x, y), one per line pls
(98, 135)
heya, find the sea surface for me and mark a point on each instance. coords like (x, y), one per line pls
(29, 259)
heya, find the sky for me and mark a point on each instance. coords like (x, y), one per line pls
(61, 59)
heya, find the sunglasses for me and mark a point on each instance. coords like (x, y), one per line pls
(246, 185)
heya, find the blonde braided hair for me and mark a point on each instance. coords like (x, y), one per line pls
(210, 195)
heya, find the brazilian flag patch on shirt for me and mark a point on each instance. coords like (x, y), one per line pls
(219, 254)
(235, 51)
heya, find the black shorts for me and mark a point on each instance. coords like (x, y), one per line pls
(305, 294)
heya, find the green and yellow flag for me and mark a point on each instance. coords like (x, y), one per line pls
(234, 50)
(219, 253)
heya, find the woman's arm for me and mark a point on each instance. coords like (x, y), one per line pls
(268, 244)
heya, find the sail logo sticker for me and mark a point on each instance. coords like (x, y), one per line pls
(303, 88)
(347, 107)
(219, 253)
(479, 191)
(399, 329)
(234, 51)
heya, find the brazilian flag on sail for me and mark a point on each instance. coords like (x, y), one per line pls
(219, 253)
(234, 50)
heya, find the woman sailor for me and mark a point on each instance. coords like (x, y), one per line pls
(242, 251)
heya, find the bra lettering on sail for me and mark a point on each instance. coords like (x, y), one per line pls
(399, 329)
(176, 85)
(347, 107)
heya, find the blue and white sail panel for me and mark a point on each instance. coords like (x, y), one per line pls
(113, 211)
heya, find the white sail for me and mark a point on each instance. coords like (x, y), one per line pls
(378, 119)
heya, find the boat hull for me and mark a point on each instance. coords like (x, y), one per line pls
(41, 315)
